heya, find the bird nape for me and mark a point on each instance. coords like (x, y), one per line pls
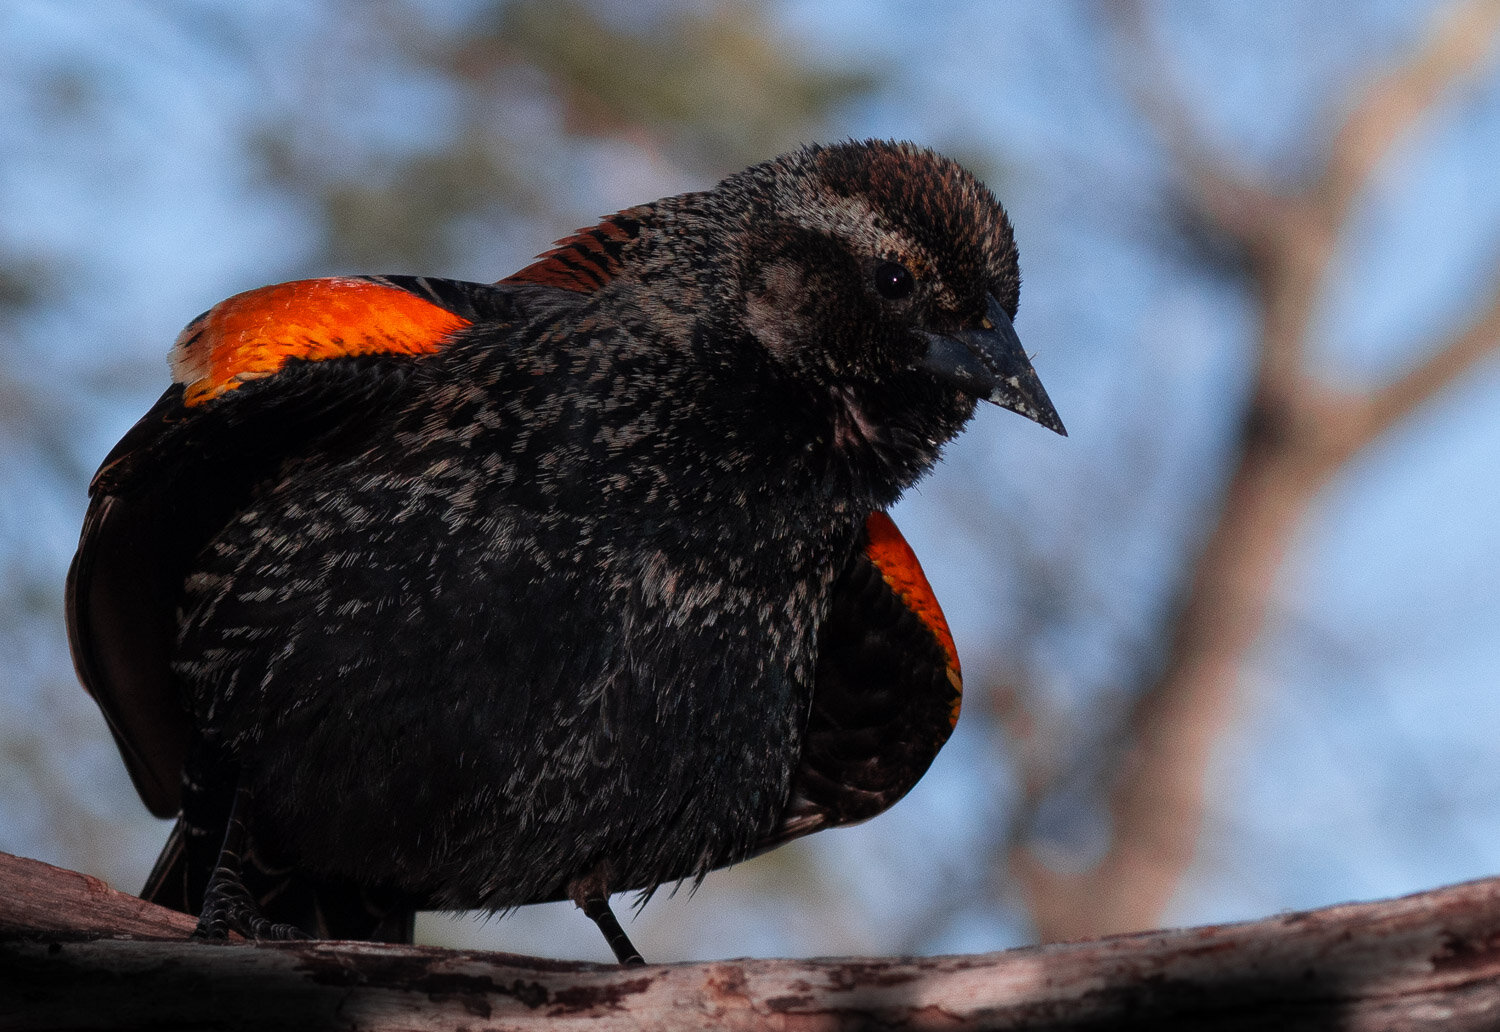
(422, 594)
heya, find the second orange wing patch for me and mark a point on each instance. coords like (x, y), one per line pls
(899, 568)
(254, 334)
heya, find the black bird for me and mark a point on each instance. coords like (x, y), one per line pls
(413, 593)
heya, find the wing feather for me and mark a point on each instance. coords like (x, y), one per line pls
(887, 691)
(259, 377)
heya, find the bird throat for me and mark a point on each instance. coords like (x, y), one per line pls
(852, 427)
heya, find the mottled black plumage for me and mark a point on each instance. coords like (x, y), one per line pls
(460, 596)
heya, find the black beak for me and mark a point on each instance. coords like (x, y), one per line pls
(990, 363)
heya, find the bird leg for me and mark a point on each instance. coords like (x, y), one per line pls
(227, 904)
(597, 909)
(591, 894)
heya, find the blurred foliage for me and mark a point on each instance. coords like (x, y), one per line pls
(400, 216)
(24, 281)
(707, 88)
(722, 83)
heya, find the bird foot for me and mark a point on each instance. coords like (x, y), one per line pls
(227, 904)
(228, 907)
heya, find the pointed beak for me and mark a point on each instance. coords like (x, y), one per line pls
(990, 363)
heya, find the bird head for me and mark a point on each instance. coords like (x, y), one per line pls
(854, 301)
(887, 273)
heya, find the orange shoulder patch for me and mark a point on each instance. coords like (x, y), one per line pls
(584, 261)
(900, 569)
(254, 334)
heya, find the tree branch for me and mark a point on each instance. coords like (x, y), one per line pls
(1373, 415)
(1229, 197)
(37, 898)
(1461, 41)
(1428, 961)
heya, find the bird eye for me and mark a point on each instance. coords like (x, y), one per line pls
(893, 281)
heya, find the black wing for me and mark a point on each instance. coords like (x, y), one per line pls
(259, 376)
(887, 692)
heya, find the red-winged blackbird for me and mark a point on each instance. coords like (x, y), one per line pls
(413, 593)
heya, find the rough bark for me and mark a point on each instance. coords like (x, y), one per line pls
(1428, 961)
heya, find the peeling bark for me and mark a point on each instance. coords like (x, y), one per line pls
(1428, 961)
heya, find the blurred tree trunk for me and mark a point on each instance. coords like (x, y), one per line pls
(1297, 434)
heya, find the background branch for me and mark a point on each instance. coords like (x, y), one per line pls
(1386, 407)
(1462, 40)
(1297, 433)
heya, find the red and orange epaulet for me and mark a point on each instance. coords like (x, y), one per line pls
(899, 567)
(254, 334)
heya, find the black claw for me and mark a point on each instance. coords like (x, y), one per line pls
(227, 904)
(229, 907)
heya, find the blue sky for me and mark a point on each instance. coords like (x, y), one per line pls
(1364, 761)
